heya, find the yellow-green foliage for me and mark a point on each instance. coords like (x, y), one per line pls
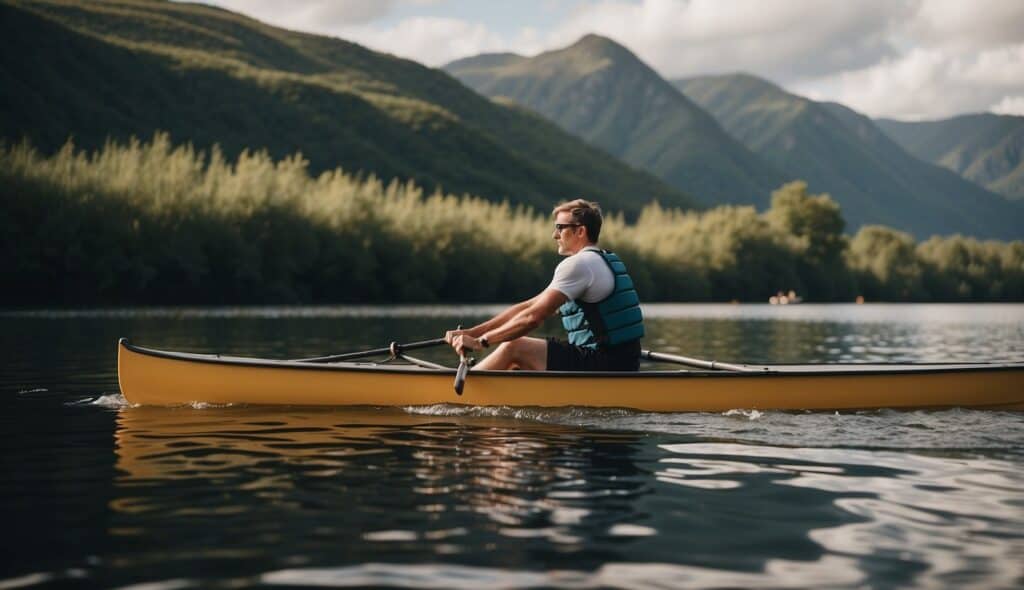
(890, 266)
(968, 269)
(887, 262)
(154, 223)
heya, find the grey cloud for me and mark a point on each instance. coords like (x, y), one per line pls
(905, 57)
(349, 12)
(978, 24)
(311, 15)
(785, 41)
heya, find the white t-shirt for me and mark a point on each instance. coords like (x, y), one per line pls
(584, 276)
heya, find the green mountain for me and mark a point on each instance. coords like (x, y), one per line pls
(986, 149)
(601, 92)
(117, 68)
(843, 153)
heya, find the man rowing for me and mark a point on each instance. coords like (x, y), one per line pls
(593, 293)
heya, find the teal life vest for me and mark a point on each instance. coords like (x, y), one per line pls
(614, 320)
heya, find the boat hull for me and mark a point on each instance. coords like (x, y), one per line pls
(152, 377)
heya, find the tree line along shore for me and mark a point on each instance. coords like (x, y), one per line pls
(155, 223)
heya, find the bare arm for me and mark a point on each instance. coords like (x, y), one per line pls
(500, 319)
(527, 317)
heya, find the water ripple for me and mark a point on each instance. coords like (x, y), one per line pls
(952, 519)
(830, 572)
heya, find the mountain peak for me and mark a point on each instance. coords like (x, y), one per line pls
(595, 40)
(597, 45)
(601, 91)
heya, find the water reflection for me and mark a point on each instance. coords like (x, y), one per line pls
(831, 572)
(484, 492)
(759, 339)
(320, 496)
(415, 484)
(930, 520)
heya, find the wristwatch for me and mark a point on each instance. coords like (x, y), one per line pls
(483, 341)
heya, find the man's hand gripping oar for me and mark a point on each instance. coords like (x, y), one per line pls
(462, 342)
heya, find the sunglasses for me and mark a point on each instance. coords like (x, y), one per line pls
(561, 226)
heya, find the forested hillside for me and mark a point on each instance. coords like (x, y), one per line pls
(843, 153)
(117, 68)
(158, 223)
(984, 148)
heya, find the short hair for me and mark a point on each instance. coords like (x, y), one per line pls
(585, 213)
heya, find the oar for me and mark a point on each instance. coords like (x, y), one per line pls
(698, 363)
(394, 349)
(462, 371)
(423, 363)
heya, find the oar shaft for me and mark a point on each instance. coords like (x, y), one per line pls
(462, 371)
(393, 349)
(697, 363)
(460, 374)
(423, 363)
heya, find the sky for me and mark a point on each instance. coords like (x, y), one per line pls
(904, 59)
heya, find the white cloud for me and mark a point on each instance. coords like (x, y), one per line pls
(898, 58)
(967, 24)
(1009, 105)
(997, 67)
(925, 83)
(312, 15)
(780, 40)
(430, 40)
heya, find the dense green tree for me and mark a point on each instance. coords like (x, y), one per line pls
(815, 226)
(886, 264)
(966, 269)
(158, 224)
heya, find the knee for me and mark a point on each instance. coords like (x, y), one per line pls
(509, 352)
(520, 353)
(512, 347)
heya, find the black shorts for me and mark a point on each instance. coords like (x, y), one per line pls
(563, 356)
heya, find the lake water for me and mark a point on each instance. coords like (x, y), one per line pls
(94, 492)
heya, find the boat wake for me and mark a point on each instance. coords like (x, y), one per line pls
(34, 390)
(748, 414)
(206, 406)
(113, 401)
(548, 414)
(539, 414)
(116, 401)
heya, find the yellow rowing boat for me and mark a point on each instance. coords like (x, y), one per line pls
(154, 377)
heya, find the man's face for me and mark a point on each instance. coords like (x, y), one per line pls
(570, 237)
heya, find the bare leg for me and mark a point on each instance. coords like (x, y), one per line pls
(526, 353)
